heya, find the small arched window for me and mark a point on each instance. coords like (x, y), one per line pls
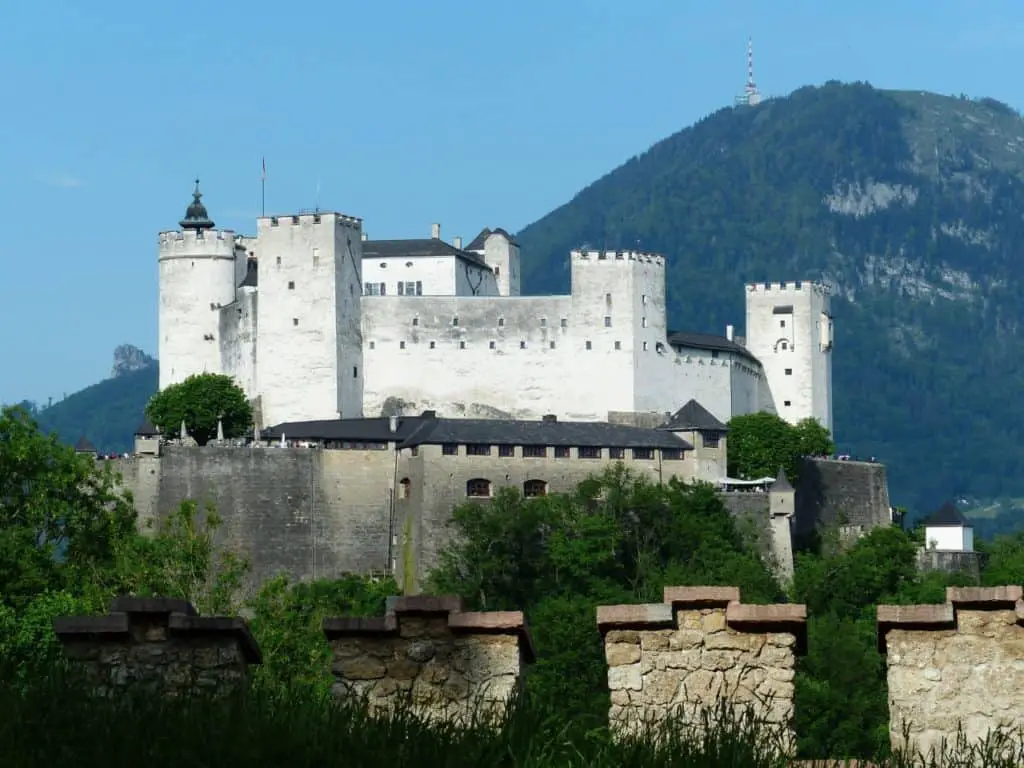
(404, 488)
(534, 488)
(478, 488)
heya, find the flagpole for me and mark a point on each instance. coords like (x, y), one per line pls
(263, 189)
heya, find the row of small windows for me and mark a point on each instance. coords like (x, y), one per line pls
(405, 288)
(480, 487)
(561, 452)
(377, 289)
(523, 345)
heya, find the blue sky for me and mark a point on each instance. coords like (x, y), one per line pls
(408, 112)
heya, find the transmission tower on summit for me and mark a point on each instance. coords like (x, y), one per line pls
(750, 97)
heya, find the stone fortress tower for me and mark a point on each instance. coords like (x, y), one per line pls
(317, 322)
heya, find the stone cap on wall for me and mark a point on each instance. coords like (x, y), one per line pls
(460, 621)
(941, 616)
(788, 618)
(179, 617)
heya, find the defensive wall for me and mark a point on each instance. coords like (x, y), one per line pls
(320, 513)
(954, 669)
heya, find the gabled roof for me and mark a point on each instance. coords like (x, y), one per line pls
(781, 482)
(145, 429)
(429, 430)
(84, 446)
(695, 416)
(478, 242)
(417, 249)
(949, 515)
(708, 341)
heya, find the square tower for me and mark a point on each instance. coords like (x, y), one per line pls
(309, 348)
(789, 329)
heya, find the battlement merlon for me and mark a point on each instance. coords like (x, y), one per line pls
(309, 218)
(789, 287)
(214, 243)
(617, 256)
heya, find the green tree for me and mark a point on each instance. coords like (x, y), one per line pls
(760, 443)
(200, 401)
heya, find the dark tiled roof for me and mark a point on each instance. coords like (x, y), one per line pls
(84, 446)
(252, 274)
(708, 341)
(145, 429)
(693, 415)
(415, 249)
(422, 430)
(947, 514)
(781, 482)
(478, 242)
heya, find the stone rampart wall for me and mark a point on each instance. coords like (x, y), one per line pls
(955, 665)
(851, 494)
(158, 644)
(445, 662)
(700, 646)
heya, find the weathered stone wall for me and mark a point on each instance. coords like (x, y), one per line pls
(700, 646)
(955, 665)
(158, 645)
(853, 494)
(426, 651)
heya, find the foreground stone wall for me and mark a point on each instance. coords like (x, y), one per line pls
(159, 645)
(445, 662)
(700, 646)
(958, 664)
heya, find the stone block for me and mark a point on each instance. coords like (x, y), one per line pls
(457, 664)
(958, 665)
(698, 647)
(159, 645)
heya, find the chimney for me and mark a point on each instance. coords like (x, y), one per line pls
(550, 418)
(457, 242)
(393, 424)
(435, 231)
(365, 237)
(729, 332)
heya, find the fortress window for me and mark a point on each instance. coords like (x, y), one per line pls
(404, 486)
(462, 345)
(643, 453)
(552, 345)
(291, 285)
(450, 449)
(714, 353)
(506, 451)
(590, 345)
(501, 322)
(534, 488)
(607, 322)
(543, 322)
(672, 454)
(401, 345)
(785, 345)
(618, 345)
(588, 452)
(415, 321)
(782, 323)
(419, 287)
(643, 299)
(455, 321)
(478, 488)
(562, 452)
(608, 298)
(355, 371)
(643, 322)
(535, 452)
(279, 261)
(497, 271)
(478, 450)
(709, 439)
(373, 345)
(565, 322)
(491, 345)
(645, 346)
(789, 371)
(522, 345)
(787, 403)
(383, 265)
(295, 321)
(616, 453)
(433, 344)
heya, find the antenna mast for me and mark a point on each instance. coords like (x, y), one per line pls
(751, 96)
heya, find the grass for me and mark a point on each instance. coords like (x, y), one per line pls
(52, 722)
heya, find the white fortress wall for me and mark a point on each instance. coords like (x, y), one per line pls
(520, 357)
(197, 276)
(746, 385)
(474, 279)
(238, 339)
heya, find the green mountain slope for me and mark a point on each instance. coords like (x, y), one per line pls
(911, 204)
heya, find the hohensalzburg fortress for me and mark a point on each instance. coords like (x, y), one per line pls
(316, 322)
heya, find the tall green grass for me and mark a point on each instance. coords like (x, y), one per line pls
(53, 722)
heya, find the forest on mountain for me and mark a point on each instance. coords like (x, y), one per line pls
(69, 543)
(910, 205)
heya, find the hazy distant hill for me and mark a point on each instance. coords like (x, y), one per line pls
(911, 203)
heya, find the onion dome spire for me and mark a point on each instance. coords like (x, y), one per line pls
(196, 216)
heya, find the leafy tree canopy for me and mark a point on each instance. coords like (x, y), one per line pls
(760, 443)
(199, 401)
